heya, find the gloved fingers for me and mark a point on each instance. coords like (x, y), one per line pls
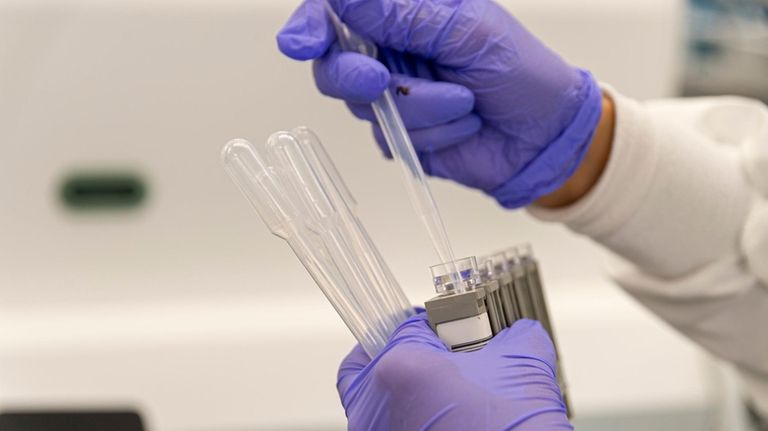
(437, 138)
(526, 339)
(350, 368)
(423, 103)
(357, 366)
(415, 360)
(416, 330)
(406, 64)
(420, 27)
(308, 34)
(396, 62)
(414, 27)
(350, 76)
(484, 162)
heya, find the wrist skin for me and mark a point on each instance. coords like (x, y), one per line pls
(591, 168)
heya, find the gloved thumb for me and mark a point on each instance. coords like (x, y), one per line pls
(308, 33)
(351, 367)
(416, 330)
(526, 339)
(441, 30)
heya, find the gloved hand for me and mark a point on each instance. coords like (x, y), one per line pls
(417, 384)
(486, 103)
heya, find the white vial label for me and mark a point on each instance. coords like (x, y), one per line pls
(465, 331)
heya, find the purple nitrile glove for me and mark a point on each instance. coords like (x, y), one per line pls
(417, 384)
(486, 103)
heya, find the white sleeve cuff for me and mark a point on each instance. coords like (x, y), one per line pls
(671, 199)
(597, 214)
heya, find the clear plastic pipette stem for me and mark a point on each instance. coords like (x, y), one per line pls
(298, 199)
(415, 181)
(403, 152)
(263, 188)
(339, 193)
(321, 195)
(331, 283)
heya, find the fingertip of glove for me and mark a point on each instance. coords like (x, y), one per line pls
(524, 324)
(419, 319)
(521, 330)
(416, 329)
(307, 34)
(352, 364)
(530, 335)
(361, 78)
(299, 47)
(464, 97)
(458, 101)
(447, 97)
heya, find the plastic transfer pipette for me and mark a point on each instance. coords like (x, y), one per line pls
(402, 150)
(298, 193)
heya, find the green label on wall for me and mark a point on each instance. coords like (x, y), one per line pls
(93, 191)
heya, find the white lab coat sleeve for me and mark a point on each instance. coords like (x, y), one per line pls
(683, 202)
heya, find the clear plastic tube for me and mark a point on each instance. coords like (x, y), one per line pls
(500, 263)
(445, 282)
(403, 152)
(297, 191)
(391, 290)
(486, 268)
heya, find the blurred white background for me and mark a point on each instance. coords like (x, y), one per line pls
(186, 308)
